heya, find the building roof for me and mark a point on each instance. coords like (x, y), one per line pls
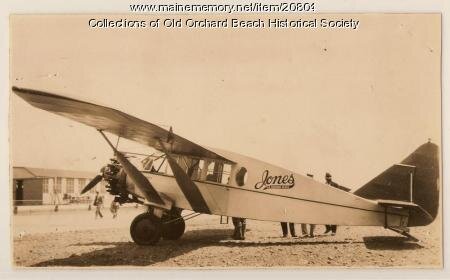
(20, 172)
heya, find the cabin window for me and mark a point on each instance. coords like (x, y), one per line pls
(241, 176)
(214, 173)
(69, 185)
(226, 174)
(218, 172)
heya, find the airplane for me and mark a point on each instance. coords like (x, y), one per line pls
(186, 176)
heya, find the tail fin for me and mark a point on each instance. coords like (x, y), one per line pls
(415, 179)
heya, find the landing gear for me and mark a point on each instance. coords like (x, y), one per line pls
(173, 229)
(173, 225)
(146, 229)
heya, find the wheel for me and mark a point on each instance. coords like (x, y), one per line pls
(146, 229)
(172, 229)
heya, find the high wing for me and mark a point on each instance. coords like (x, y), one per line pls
(113, 121)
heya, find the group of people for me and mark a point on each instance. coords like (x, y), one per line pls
(98, 203)
(284, 229)
(305, 233)
(240, 223)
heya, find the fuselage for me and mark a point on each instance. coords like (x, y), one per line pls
(258, 190)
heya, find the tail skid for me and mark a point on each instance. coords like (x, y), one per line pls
(405, 232)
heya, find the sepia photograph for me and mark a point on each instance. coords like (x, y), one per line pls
(212, 140)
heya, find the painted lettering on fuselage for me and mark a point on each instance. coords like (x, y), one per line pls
(275, 182)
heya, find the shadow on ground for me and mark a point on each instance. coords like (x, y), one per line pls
(130, 254)
(390, 243)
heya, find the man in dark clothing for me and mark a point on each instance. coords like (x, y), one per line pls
(239, 228)
(284, 228)
(329, 228)
(329, 181)
(98, 203)
(332, 228)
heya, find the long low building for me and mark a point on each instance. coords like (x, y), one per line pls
(41, 186)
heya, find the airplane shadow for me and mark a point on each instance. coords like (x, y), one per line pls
(130, 254)
(390, 243)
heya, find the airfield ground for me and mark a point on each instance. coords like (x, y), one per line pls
(73, 238)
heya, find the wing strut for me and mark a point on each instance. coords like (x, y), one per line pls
(187, 186)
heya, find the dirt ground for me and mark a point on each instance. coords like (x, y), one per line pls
(76, 239)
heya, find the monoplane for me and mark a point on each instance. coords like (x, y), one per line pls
(185, 175)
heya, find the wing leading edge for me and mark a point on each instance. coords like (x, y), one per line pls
(113, 121)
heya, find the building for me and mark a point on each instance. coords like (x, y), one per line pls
(40, 186)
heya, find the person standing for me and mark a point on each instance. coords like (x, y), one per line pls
(98, 203)
(239, 228)
(114, 208)
(329, 181)
(305, 230)
(284, 228)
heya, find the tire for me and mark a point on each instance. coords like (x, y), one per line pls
(146, 229)
(174, 229)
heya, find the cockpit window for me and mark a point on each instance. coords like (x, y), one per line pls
(157, 164)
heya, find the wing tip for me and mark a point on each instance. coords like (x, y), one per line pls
(21, 91)
(16, 89)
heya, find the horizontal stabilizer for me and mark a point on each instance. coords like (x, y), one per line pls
(415, 209)
(396, 203)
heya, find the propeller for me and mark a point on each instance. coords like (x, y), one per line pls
(92, 183)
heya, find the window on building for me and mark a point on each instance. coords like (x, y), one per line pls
(70, 185)
(58, 185)
(93, 190)
(45, 185)
(81, 183)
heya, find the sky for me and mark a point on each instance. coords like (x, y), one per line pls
(351, 103)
